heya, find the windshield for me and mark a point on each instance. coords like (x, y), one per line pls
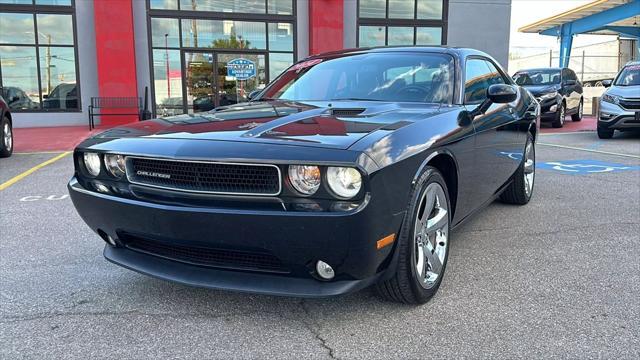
(629, 76)
(537, 77)
(401, 77)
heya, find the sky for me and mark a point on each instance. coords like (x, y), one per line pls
(525, 12)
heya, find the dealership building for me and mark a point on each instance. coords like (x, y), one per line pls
(186, 56)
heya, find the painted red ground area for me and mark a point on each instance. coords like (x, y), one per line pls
(588, 123)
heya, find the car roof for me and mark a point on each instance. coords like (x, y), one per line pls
(457, 51)
(541, 69)
(632, 63)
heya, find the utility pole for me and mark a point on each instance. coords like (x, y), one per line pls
(166, 55)
(49, 64)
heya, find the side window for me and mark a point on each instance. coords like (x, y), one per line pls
(477, 75)
(573, 75)
(495, 77)
(565, 75)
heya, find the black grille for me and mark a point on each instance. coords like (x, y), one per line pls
(630, 104)
(210, 177)
(347, 112)
(203, 256)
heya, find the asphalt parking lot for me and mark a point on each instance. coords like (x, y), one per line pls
(559, 277)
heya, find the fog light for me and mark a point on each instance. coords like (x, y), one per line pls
(324, 270)
(102, 188)
(553, 108)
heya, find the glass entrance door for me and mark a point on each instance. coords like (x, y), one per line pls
(199, 81)
(238, 75)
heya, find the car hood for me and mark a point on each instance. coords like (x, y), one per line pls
(320, 124)
(537, 90)
(624, 91)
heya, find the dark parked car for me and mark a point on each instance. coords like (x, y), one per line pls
(557, 89)
(6, 124)
(63, 96)
(350, 169)
(16, 98)
(620, 104)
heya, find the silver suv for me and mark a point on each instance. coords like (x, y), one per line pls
(620, 103)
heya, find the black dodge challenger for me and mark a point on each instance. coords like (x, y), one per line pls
(350, 169)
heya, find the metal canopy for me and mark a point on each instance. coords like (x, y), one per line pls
(604, 17)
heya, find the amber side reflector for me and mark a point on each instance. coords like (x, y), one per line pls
(387, 240)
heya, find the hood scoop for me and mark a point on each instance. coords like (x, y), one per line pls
(346, 112)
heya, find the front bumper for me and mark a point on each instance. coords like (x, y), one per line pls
(345, 240)
(548, 107)
(612, 116)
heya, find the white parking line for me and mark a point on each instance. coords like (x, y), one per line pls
(590, 150)
(569, 133)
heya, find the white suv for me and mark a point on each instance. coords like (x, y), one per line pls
(620, 103)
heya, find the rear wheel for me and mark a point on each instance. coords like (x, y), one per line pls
(604, 133)
(423, 243)
(558, 122)
(578, 116)
(521, 189)
(6, 143)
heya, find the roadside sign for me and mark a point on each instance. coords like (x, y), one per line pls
(241, 69)
(584, 166)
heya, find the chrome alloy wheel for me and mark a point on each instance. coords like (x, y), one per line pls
(431, 234)
(562, 114)
(529, 168)
(8, 137)
(580, 109)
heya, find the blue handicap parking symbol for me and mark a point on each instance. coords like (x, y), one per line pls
(584, 166)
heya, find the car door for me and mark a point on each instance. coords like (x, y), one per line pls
(498, 147)
(569, 89)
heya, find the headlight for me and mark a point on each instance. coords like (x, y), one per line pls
(610, 98)
(548, 96)
(115, 164)
(305, 179)
(92, 163)
(344, 181)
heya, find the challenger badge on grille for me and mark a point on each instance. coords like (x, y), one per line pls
(153, 174)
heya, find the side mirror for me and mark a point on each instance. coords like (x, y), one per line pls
(45, 96)
(253, 94)
(607, 83)
(502, 93)
(14, 99)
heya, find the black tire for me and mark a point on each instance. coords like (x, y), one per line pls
(404, 286)
(5, 149)
(605, 133)
(558, 121)
(516, 192)
(578, 115)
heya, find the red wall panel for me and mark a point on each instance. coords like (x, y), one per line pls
(326, 25)
(115, 52)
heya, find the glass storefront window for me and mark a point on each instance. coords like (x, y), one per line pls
(429, 9)
(162, 26)
(164, 4)
(235, 6)
(38, 67)
(428, 36)
(279, 62)
(400, 35)
(16, 28)
(167, 77)
(226, 34)
(54, 2)
(370, 36)
(401, 9)
(17, 2)
(58, 78)
(20, 77)
(280, 37)
(373, 8)
(280, 7)
(55, 29)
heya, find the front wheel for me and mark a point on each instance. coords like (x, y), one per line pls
(605, 133)
(521, 188)
(423, 244)
(6, 143)
(578, 116)
(558, 122)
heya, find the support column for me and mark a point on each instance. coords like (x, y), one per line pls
(566, 41)
(115, 53)
(326, 25)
